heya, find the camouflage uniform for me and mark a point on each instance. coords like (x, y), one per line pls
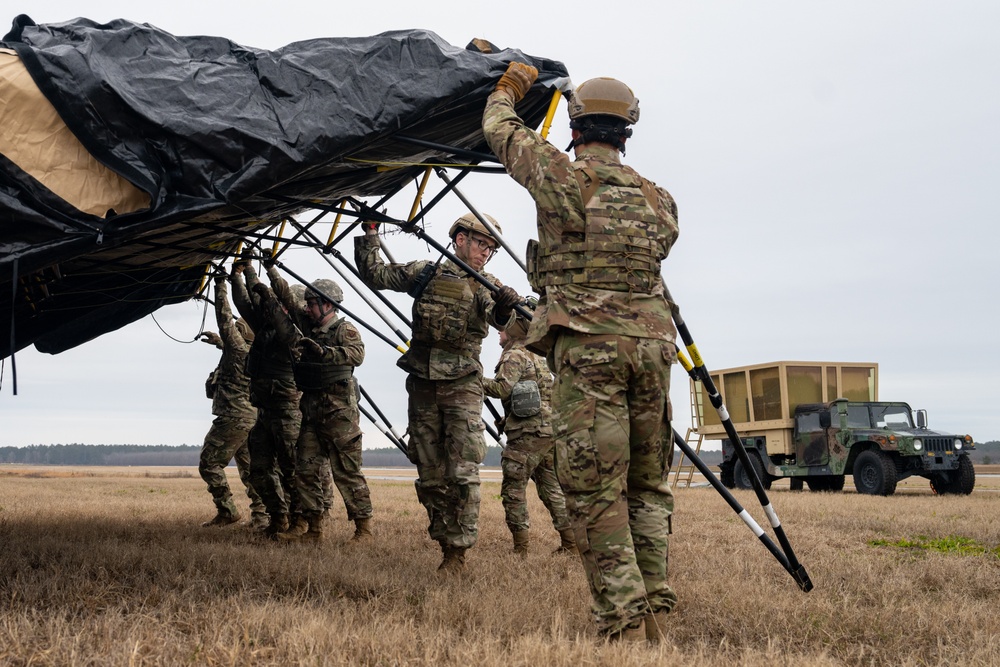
(227, 438)
(273, 391)
(606, 328)
(530, 449)
(450, 321)
(330, 438)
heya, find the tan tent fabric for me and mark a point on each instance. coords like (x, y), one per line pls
(36, 139)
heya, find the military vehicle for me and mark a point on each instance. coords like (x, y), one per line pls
(816, 422)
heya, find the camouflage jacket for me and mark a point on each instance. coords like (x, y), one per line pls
(274, 388)
(550, 176)
(232, 386)
(450, 319)
(517, 363)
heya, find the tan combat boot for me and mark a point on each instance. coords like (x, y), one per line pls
(279, 524)
(222, 519)
(521, 543)
(314, 533)
(567, 542)
(362, 530)
(656, 626)
(636, 634)
(453, 561)
(297, 525)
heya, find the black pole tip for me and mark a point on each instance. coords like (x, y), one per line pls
(802, 579)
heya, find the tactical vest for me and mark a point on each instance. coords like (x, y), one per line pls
(536, 373)
(441, 315)
(618, 246)
(321, 374)
(269, 358)
(234, 376)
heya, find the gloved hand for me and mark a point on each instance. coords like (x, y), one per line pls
(506, 298)
(309, 347)
(220, 280)
(211, 338)
(268, 260)
(517, 80)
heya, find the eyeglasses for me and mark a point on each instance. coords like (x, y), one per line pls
(482, 244)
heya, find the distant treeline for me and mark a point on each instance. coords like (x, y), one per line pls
(187, 455)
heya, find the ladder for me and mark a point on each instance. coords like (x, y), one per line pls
(686, 472)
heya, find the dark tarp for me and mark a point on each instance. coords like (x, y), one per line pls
(221, 137)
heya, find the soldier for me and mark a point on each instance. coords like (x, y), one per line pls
(229, 388)
(524, 384)
(451, 316)
(273, 392)
(328, 350)
(606, 328)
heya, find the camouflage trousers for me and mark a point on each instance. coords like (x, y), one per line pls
(613, 442)
(446, 443)
(530, 456)
(330, 441)
(226, 440)
(272, 458)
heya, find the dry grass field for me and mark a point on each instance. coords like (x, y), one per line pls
(104, 566)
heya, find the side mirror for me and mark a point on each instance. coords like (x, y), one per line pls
(824, 419)
(921, 419)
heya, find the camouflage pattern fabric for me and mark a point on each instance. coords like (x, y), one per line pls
(447, 331)
(607, 331)
(329, 441)
(446, 439)
(227, 437)
(272, 458)
(550, 177)
(612, 449)
(226, 440)
(531, 457)
(331, 433)
(444, 387)
(272, 439)
(517, 363)
(529, 454)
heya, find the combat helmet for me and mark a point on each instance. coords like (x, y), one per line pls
(604, 96)
(470, 222)
(298, 293)
(327, 287)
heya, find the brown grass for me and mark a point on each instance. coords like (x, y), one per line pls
(113, 569)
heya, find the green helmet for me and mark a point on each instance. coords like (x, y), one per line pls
(328, 288)
(604, 96)
(470, 222)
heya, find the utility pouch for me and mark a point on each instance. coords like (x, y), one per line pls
(210, 385)
(525, 399)
(531, 263)
(422, 280)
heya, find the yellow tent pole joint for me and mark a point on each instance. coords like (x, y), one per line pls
(684, 361)
(551, 113)
(281, 232)
(336, 221)
(401, 349)
(695, 356)
(420, 193)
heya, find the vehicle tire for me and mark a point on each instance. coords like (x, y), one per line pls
(795, 484)
(836, 482)
(961, 481)
(966, 475)
(742, 479)
(875, 474)
(726, 476)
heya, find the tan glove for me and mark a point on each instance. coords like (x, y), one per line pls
(517, 80)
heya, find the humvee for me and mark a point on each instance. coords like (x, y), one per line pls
(815, 422)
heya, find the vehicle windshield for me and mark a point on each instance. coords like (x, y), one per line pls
(892, 416)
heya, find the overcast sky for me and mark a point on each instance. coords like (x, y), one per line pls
(832, 164)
